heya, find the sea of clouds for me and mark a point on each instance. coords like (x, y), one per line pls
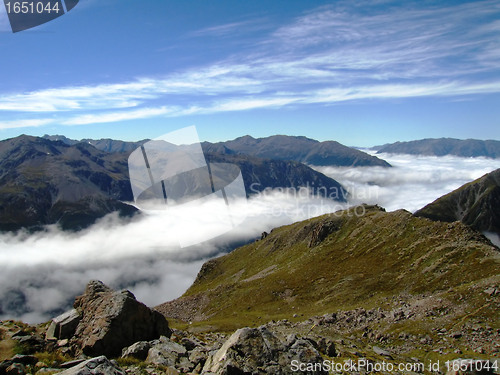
(413, 182)
(41, 273)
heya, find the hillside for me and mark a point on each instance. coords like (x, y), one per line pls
(476, 204)
(444, 146)
(46, 182)
(432, 274)
(301, 149)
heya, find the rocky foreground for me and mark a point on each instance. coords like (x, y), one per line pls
(111, 333)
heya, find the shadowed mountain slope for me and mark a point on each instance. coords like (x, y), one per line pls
(45, 182)
(476, 204)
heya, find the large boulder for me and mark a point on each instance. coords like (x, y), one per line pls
(111, 321)
(258, 350)
(94, 366)
(63, 326)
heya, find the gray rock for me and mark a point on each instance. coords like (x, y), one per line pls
(303, 351)
(381, 351)
(198, 355)
(257, 350)
(63, 326)
(73, 363)
(114, 320)
(138, 350)
(165, 352)
(327, 347)
(94, 366)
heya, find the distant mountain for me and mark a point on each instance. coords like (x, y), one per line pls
(105, 144)
(259, 174)
(400, 278)
(444, 146)
(476, 204)
(301, 149)
(45, 181)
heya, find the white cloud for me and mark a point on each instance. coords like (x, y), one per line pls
(117, 116)
(413, 182)
(24, 123)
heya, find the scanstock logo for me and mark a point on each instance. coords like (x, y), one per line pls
(24, 15)
(171, 170)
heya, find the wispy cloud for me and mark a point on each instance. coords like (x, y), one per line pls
(117, 116)
(229, 29)
(25, 123)
(336, 53)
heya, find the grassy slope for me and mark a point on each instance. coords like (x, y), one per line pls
(363, 261)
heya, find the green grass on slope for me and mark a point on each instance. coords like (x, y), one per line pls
(338, 262)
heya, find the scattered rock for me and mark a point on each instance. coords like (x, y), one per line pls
(94, 366)
(257, 350)
(491, 291)
(113, 320)
(381, 352)
(138, 350)
(165, 352)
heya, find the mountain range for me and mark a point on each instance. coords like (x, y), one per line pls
(277, 147)
(444, 146)
(44, 181)
(301, 149)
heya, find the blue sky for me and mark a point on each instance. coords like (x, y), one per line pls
(360, 72)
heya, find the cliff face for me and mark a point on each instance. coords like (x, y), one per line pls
(476, 204)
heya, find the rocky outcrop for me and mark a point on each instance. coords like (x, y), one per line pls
(258, 350)
(113, 320)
